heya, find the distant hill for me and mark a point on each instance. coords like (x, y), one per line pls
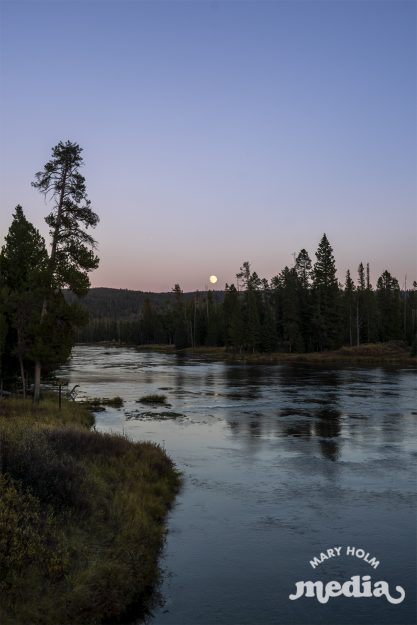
(124, 304)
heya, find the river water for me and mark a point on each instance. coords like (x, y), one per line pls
(280, 464)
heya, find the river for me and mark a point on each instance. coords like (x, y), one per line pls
(280, 463)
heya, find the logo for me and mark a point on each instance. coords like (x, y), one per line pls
(357, 586)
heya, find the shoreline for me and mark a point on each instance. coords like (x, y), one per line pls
(368, 354)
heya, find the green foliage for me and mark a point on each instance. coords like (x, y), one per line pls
(72, 255)
(55, 335)
(36, 322)
(388, 298)
(23, 258)
(303, 268)
(23, 263)
(288, 290)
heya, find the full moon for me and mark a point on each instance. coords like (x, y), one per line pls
(213, 279)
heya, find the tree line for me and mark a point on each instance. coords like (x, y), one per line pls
(302, 309)
(37, 323)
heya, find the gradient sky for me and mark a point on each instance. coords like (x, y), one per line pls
(218, 132)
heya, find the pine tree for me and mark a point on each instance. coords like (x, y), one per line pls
(23, 265)
(349, 301)
(233, 321)
(291, 323)
(23, 258)
(268, 334)
(360, 305)
(181, 332)
(72, 254)
(326, 312)
(389, 307)
(303, 267)
(251, 306)
(252, 320)
(243, 276)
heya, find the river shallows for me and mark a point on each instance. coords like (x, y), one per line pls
(281, 463)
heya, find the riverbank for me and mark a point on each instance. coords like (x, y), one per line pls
(392, 353)
(81, 517)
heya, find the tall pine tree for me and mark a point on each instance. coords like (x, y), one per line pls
(72, 254)
(326, 301)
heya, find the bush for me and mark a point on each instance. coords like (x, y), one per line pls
(55, 478)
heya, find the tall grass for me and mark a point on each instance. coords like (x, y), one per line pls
(81, 517)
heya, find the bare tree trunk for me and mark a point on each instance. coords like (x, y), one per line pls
(350, 325)
(357, 324)
(22, 375)
(38, 365)
(37, 382)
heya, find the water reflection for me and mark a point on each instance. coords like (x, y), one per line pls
(243, 382)
(297, 401)
(279, 462)
(327, 427)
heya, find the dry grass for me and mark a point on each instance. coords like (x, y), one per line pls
(373, 353)
(81, 517)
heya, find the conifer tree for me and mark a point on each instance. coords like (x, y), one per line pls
(349, 296)
(369, 311)
(303, 267)
(181, 332)
(291, 326)
(23, 264)
(360, 305)
(389, 307)
(72, 254)
(233, 321)
(326, 315)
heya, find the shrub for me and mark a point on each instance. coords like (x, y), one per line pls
(55, 478)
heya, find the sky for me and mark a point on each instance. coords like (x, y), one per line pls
(218, 132)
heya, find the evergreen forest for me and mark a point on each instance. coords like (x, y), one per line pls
(304, 308)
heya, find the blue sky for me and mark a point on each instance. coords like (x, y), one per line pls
(218, 132)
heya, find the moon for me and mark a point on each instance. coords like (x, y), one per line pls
(213, 279)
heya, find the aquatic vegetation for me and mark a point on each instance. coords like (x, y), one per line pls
(153, 399)
(98, 403)
(147, 415)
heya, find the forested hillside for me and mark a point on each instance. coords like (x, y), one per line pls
(124, 304)
(304, 308)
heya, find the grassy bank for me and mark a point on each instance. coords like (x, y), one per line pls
(81, 517)
(373, 353)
